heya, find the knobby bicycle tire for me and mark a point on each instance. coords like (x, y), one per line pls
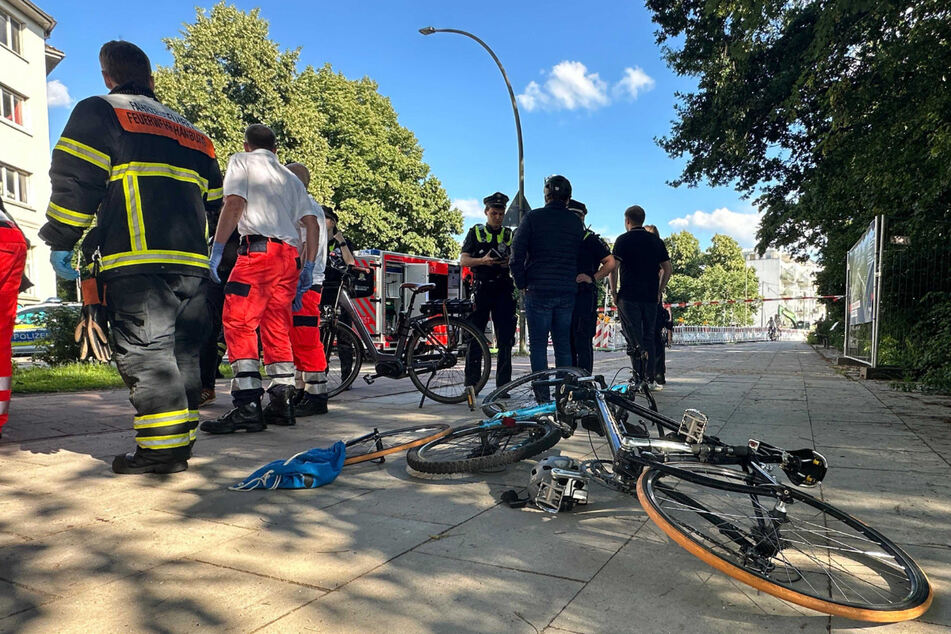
(819, 557)
(477, 447)
(377, 444)
(344, 338)
(520, 392)
(453, 376)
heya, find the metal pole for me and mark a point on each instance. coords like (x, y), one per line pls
(876, 316)
(520, 202)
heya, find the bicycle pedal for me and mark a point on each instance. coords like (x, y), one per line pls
(369, 379)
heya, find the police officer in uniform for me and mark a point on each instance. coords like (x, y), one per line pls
(486, 251)
(147, 177)
(595, 262)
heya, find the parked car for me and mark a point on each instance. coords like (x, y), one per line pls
(29, 329)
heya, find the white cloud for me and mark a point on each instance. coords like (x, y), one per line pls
(57, 94)
(737, 225)
(635, 82)
(471, 208)
(568, 86)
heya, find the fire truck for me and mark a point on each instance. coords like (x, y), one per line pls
(380, 311)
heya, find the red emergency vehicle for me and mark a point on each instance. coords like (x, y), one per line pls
(379, 312)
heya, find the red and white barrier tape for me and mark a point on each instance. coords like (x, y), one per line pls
(751, 300)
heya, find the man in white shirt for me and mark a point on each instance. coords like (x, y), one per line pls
(309, 358)
(268, 204)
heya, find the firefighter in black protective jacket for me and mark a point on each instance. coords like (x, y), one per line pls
(147, 177)
(486, 251)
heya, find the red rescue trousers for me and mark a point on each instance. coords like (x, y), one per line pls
(309, 358)
(258, 294)
(12, 260)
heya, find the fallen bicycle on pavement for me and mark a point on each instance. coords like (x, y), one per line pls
(720, 502)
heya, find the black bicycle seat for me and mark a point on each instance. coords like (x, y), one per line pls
(417, 288)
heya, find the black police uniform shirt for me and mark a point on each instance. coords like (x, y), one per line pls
(640, 253)
(593, 250)
(476, 249)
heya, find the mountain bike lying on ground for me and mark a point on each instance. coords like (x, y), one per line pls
(722, 504)
(431, 348)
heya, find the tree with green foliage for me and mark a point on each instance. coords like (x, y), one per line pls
(685, 255)
(829, 113)
(227, 73)
(721, 273)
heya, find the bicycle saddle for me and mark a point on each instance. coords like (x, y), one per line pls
(417, 288)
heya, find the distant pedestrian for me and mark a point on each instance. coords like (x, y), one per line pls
(640, 254)
(545, 267)
(595, 262)
(486, 251)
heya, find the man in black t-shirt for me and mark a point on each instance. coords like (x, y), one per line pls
(641, 254)
(595, 262)
(486, 251)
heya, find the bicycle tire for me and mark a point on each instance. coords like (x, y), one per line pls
(377, 444)
(427, 348)
(520, 392)
(344, 339)
(437, 456)
(799, 571)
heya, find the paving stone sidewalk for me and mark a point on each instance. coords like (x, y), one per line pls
(83, 550)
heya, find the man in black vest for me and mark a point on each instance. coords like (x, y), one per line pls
(545, 266)
(486, 251)
(595, 262)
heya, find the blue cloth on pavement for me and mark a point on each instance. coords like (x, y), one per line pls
(306, 470)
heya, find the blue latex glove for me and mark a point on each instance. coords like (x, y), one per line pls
(61, 261)
(304, 283)
(217, 250)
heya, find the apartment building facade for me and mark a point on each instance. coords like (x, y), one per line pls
(780, 275)
(25, 61)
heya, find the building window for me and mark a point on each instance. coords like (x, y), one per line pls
(14, 184)
(12, 106)
(10, 30)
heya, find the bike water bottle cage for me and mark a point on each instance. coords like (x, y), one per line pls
(804, 467)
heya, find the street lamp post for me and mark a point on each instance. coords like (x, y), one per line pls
(519, 205)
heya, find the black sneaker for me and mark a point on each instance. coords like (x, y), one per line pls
(661, 379)
(310, 405)
(280, 409)
(136, 463)
(247, 417)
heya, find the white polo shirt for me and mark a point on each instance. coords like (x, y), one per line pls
(320, 261)
(276, 199)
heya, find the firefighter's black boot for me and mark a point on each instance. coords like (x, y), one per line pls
(246, 416)
(145, 461)
(307, 404)
(280, 409)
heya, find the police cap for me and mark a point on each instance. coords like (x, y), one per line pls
(330, 213)
(558, 187)
(577, 207)
(498, 199)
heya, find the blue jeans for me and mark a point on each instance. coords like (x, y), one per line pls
(549, 314)
(639, 321)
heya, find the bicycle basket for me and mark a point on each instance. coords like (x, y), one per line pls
(362, 283)
(456, 307)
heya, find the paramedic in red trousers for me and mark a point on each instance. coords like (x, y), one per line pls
(268, 204)
(310, 363)
(12, 261)
(486, 251)
(147, 178)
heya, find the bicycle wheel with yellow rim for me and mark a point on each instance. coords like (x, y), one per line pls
(800, 549)
(377, 444)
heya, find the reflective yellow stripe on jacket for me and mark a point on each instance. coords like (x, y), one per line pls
(84, 152)
(68, 216)
(153, 256)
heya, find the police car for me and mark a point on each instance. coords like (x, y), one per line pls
(29, 329)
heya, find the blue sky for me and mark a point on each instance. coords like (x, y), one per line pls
(593, 93)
